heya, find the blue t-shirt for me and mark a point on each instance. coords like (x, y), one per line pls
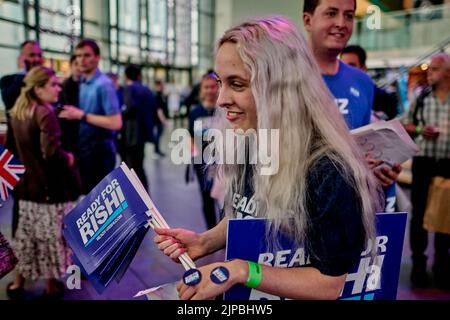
(97, 96)
(353, 91)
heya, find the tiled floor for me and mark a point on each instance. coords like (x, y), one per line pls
(181, 206)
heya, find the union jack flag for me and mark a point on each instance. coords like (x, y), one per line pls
(10, 172)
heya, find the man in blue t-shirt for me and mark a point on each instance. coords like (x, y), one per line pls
(353, 92)
(384, 102)
(330, 26)
(100, 117)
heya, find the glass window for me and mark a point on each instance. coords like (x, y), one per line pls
(129, 14)
(158, 29)
(194, 33)
(183, 33)
(11, 10)
(12, 34)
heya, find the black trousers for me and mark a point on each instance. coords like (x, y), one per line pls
(96, 163)
(209, 208)
(423, 170)
(157, 133)
(134, 158)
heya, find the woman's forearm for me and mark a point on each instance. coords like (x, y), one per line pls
(215, 238)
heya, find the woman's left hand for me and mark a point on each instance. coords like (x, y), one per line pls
(207, 289)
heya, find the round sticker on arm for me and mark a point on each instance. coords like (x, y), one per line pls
(192, 277)
(220, 275)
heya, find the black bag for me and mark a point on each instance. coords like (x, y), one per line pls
(420, 104)
(8, 260)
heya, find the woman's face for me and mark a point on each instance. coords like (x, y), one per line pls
(50, 92)
(235, 94)
(209, 90)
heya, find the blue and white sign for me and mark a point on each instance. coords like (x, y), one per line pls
(106, 228)
(372, 278)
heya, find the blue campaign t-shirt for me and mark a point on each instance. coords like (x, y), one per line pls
(353, 91)
(97, 96)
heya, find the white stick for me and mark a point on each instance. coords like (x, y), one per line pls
(158, 220)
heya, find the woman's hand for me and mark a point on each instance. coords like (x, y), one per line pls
(175, 242)
(207, 289)
(70, 159)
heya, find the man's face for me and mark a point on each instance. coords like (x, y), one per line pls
(31, 56)
(352, 59)
(87, 60)
(438, 72)
(331, 25)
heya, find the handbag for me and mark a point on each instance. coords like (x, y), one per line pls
(437, 213)
(7, 258)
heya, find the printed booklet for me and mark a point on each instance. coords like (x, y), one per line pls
(387, 141)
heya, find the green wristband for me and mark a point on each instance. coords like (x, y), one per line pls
(418, 130)
(254, 275)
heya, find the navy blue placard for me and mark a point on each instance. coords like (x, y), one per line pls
(370, 279)
(103, 219)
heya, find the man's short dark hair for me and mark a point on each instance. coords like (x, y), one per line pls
(112, 75)
(89, 43)
(72, 59)
(26, 42)
(310, 6)
(359, 51)
(133, 72)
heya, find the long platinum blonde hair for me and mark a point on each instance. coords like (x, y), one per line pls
(291, 96)
(26, 102)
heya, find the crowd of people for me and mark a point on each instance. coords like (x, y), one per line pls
(68, 136)
(266, 76)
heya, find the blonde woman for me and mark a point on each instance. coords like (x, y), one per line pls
(43, 194)
(323, 193)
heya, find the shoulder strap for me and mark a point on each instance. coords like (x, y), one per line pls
(420, 104)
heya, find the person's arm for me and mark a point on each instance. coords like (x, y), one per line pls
(11, 86)
(50, 138)
(162, 117)
(292, 283)
(109, 122)
(174, 242)
(408, 120)
(336, 238)
(112, 118)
